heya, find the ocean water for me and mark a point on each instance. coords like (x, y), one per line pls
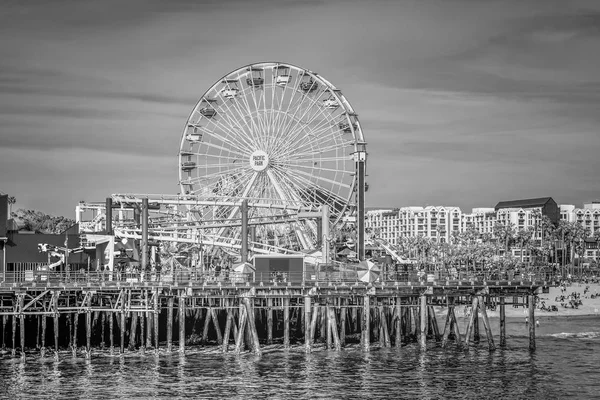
(566, 365)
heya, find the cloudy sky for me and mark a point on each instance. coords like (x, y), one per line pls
(462, 102)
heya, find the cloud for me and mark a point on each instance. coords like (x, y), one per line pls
(467, 102)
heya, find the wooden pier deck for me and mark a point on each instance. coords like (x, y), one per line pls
(87, 312)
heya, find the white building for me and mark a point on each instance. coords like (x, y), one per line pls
(384, 224)
(435, 222)
(481, 218)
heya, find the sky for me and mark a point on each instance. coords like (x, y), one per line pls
(462, 102)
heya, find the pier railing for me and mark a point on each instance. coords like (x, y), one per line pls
(230, 278)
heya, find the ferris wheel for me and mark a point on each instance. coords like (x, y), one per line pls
(279, 135)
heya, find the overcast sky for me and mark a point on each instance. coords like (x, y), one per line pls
(462, 102)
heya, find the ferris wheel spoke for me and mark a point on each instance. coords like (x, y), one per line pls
(325, 122)
(319, 129)
(320, 149)
(234, 116)
(312, 101)
(315, 136)
(216, 146)
(321, 178)
(234, 108)
(256, 125)
(317, 168)
(294, 123)
(295, 160)
(293, 91)
(311, 186)
(292, 187)
(217, 135)
(231, 127)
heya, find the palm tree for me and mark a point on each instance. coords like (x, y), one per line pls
(597, 240)
(505, 233)
(11, 200)
(524, 237)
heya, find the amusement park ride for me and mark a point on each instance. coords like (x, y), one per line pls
(272, 159)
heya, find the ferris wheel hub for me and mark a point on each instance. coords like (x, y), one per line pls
(259, 160)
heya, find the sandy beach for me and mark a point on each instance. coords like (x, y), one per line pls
(589, 306)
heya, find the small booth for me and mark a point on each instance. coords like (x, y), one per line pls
(279, 268)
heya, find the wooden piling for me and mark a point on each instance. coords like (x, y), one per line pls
(142, 322)
(133, 331)
(366, 324)
(476, 334)
(70, 329)
(323, 324)
(123, 328)
(22, 326)
(454, 326)
(384, 334)
(148, 316)
(13, 317)
(170, 324)
(239, 340)
(75, 333)
(43, 338)
(471, 322)
(414, 313)
(447, 325)
(226, 332)
(155, 323)
(4, 320)
(328, 334)
(307, 323)
(181, 323)
(252, 325)
(286, 322)
(343, 316)
(333, 328)
(398, 322)
(102, 329)
(313, 324)
(39, 328)
(531, 301)
(502, 323)
(88, 333)
(56, 317)
(111, 334)
(354, 319)
(269, 312)
(486, 324)
(207, 319)
(215, 321)
(423, 320)
(434, 324)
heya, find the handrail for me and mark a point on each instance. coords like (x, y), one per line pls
(225, 277)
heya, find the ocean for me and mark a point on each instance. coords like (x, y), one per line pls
(565, 365)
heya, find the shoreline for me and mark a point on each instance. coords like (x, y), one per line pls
(590, 306)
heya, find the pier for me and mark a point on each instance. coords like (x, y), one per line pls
(83, 312)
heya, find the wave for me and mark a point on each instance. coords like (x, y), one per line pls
(576, 335)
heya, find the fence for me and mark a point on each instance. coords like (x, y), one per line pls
(50, 278)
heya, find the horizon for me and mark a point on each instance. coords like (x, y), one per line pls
(462, 103)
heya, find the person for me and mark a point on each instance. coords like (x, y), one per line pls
(537, 322)
(526, 320)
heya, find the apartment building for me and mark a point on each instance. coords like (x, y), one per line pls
(481, 218)
(588, 217)
(384, 224)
